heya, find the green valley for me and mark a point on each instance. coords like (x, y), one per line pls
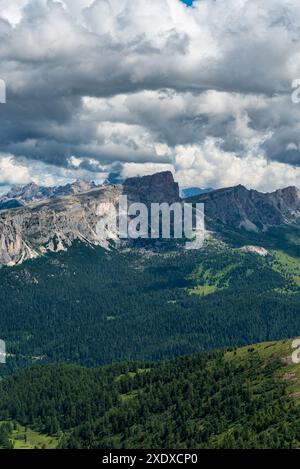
(92, 307)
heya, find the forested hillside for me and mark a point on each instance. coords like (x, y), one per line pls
(243, 398)
(91, 307)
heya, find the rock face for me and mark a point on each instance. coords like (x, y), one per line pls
(19, 196)
(157, 188)
(10, 203)
(250, 209)
(255, 249)
(53, 218)
(28, 193)
(53, 224)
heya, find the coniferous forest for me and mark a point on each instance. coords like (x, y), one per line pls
(232, 399)
(92, 307)
(138, 348)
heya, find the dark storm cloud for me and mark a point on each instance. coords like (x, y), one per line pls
(111, 81)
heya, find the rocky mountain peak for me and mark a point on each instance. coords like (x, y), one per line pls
(255, 211)
(291, 192)
(76, 187)
(32, 192)
(61, 215)
(159, 187)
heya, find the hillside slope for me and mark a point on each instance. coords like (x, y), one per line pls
(243, 398)
(90, 307)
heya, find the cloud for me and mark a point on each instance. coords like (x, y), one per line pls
(12, 172)
(21, 171)
(136, 85)
(12, 10)
(212, 167)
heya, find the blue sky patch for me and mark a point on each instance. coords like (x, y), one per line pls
(188, 2)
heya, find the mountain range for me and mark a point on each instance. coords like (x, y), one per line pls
(19, 196)
(250, 209)
(35, 220)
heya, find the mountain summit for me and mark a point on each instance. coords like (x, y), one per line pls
(51, 219)
(23, 195)
(250, 209)
(38, 219)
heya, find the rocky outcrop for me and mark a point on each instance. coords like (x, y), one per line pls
(287, 202)
(53, 224)
(256, 250)
(19, 196)
(157, 188)
(250, 209)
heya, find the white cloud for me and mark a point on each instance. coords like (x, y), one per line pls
(22, 171)
(152, 83)
(12, 172)
(11, 10)
(209, 166)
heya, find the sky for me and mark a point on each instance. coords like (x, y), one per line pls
(96, 87)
